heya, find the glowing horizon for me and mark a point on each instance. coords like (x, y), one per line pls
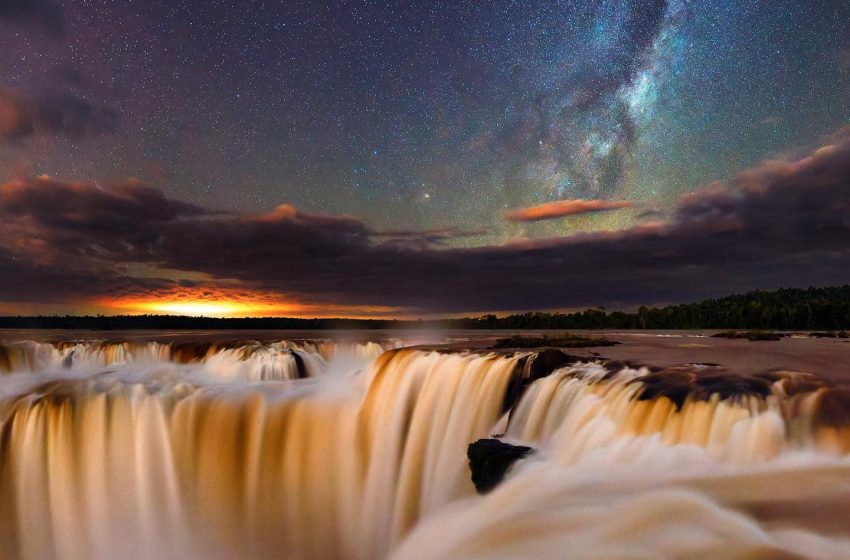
(204, 302)
(202, 308)
(231, 303)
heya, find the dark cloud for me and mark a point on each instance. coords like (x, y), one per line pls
(50, 218)
(45, 13)
(424, 239)
(650, 214)
(65, 113)
(24, 280)
(563, 208)
(82, 207)
(783, 223)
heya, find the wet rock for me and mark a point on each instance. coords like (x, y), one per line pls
(5, 359)
(565, 340)
(187, 352)
(679, 383)
(300, 365)
(68, 362)
(830, 334)
(545, 362)
(832, 409)
(616, 366)
(794, 382)
(489, 460)
(753, 336)
(535, 366)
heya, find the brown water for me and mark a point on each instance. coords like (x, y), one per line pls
(213, 445)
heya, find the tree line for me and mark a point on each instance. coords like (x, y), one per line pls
(784, 309)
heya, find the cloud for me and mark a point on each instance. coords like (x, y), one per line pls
(782, 223)
(45, 13)
(562, 208)
(25, 280)
(53, 220)
(424, 239)
(62, 112)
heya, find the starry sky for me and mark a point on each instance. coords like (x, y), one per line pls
(437, 127)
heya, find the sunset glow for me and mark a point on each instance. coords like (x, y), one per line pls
(207, 303)
(215, 302)
(205, 308)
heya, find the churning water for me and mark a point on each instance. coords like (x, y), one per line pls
(323, 450)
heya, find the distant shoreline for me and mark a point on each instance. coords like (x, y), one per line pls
(786, 309)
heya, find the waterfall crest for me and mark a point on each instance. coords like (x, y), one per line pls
(320, 450)
(327, 467)
(251, 360)
(682, 463)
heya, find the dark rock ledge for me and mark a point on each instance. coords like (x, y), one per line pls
(490, 459)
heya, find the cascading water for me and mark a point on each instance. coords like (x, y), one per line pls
(174, 461)
(678, 464)
(150, 450)
(251, 360)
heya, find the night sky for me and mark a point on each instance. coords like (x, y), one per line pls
(409, 158)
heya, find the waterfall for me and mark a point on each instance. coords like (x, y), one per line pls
(323, 450)
(252, 360)
(681, 463)
(166, 461)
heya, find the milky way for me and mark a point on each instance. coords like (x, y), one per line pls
(420, 114)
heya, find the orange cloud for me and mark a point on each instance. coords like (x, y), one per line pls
(561, 208)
